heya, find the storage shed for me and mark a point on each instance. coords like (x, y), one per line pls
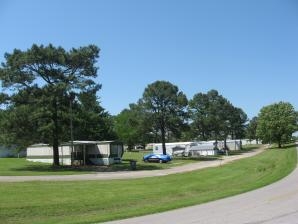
(79, 153)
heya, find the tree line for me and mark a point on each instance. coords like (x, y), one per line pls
(50, 95)
(164, 114)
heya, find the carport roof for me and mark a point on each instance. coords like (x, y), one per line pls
(87, 142)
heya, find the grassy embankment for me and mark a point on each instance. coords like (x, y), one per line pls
(95, 201)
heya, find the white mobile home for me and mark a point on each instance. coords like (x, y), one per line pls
(79, 153)
(201, 149)
(231, 144)
(173, 148)
(251, 142)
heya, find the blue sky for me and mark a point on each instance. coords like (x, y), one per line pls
(247, 50)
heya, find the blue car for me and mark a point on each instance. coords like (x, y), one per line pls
(161, 158)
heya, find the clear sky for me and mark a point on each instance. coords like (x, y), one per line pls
(245, 49)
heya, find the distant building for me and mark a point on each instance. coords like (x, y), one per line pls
(172, 148)
(201, 148)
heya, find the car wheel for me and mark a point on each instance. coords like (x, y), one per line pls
(160, 161)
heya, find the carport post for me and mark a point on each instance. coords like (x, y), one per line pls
(84, 154)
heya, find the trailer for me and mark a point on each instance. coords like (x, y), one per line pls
(251, 142)
(79, 153)
(202, 149)
(232, 145)
(172, 149)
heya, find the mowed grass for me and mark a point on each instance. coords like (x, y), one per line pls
(22, 167)
(97, 201)
(177, 161)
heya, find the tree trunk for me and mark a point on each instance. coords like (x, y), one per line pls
(56, 152)
(55, 134)
(203, 136)
(225, 146)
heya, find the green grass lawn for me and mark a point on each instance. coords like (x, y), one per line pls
(22, 167)
(96, 201)
(177, 161)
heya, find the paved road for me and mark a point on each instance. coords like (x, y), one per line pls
(274, 204)
(131, 174)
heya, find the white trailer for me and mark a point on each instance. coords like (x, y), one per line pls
(44, 153)
(79, 153)
(173, 148)
(251, 142)
(232, 145)
(202, 149)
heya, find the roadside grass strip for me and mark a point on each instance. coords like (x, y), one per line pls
(98, 201)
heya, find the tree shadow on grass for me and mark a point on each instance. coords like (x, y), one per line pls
(242, 151)
(53, 169)
(142, 165)
(199, 158)
(60, 170)
(45, 169)
(288, 146)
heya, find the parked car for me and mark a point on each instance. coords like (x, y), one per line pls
(161, 158)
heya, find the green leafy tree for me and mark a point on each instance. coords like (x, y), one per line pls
(23, 123)
(238, 121)
(214, 117)
(132, 127)
(276, 123)
(199, 112)
(14, 127)
(210, 115)
(166, 107)
(126, 127)
(251, 131)
(40, 80)
(90, 120)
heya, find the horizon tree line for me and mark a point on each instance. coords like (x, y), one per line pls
(164, 114)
